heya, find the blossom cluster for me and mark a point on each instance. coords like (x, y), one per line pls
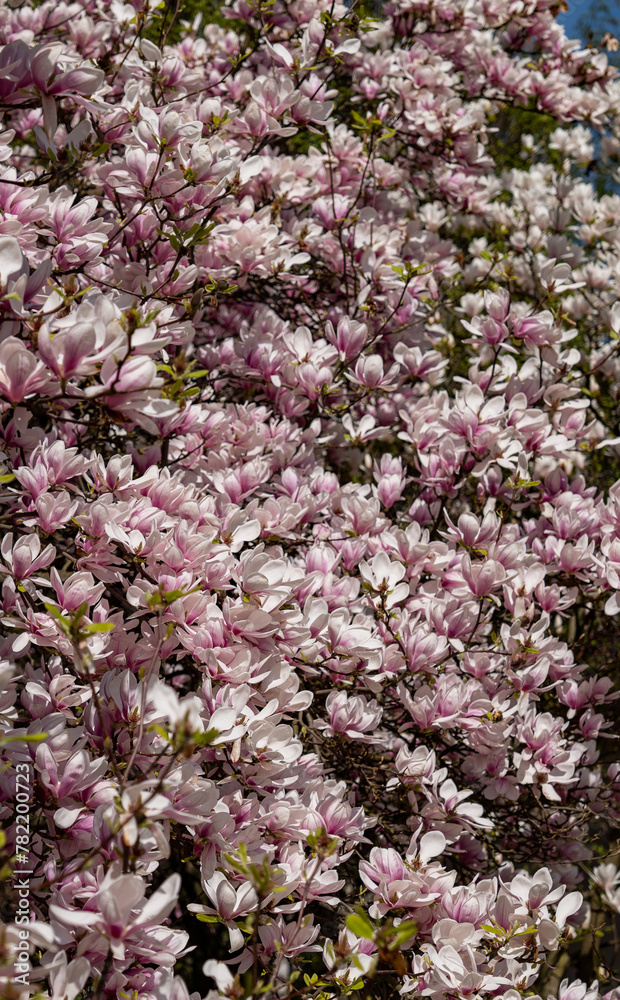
(309, 432)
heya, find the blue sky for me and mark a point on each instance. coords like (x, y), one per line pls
(599, 15)
(570, 18)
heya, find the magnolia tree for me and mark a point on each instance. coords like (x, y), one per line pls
(310, 424)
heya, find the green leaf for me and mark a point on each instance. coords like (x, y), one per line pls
(404, 931)
(204, 739)
(98, 627)
(52, 610)
(361, 926)
(26, 738)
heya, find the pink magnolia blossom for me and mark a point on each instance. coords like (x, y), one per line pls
(311, 539)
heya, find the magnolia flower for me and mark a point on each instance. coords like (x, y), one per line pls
(78, 350)
(352, 716)
(67, 978)
(383, 576)
(25, 556)
(369, 373)
(607, 877)
(119, 915)
(297, 432)
(17, 288)
(228, 903)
